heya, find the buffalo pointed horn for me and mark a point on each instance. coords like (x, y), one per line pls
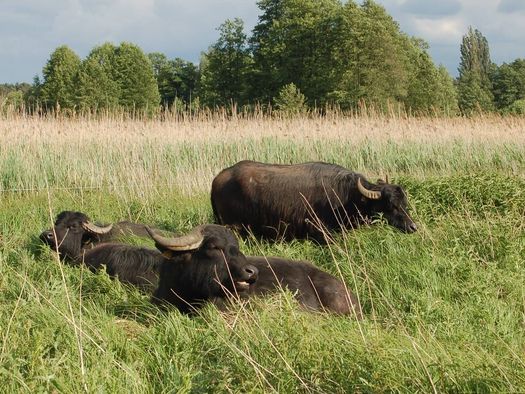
(371, 194)
(190, 241)
(93, 228)
(386, 179)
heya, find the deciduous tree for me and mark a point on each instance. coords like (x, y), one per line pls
(58, 87)
(133, 73)
(474, 85)
(225, 67)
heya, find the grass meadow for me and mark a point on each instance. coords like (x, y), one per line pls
(444, 307)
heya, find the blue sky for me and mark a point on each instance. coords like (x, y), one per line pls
(31, 29)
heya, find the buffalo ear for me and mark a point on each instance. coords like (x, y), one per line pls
(383, 182)
(168, 254)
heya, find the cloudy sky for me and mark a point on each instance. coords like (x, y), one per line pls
(31, 29)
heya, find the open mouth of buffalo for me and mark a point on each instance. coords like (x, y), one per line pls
(244, 284)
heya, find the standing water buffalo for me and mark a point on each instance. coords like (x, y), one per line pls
(289, 200)
(74, 231)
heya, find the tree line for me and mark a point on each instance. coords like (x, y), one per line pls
(301, 54)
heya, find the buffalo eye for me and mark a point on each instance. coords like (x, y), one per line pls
(212, 246)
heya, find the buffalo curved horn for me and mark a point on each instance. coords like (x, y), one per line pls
(190, 241)
(371, 194)
(93, 228)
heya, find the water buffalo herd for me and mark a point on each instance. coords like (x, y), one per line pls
(206, 265)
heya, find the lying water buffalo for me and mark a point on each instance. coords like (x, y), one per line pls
(204, 265)
(288, 201)
(74, 231)
(314, 289)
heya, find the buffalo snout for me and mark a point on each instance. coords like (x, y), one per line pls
(48, 237)
(247, 276)
(411, 228)
(251, 272)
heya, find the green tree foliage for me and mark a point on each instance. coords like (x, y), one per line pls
(176, 79)
(344, 53)
(163, 73)
(133, 74)
(186, 77)
(12, 102)
(336, 52)
(430, 89)
(381, 55)
(96, 86)
(32, 96)
(296, 42)
(266, 46)
(474, 85)
(58, 88)
(290, 100)
(6, 88)
(516, 108)
(446, 94)
(307, 33)
(473, 97)
(508, 82)
(225, 67)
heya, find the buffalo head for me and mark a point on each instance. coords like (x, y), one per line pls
(391, 201)
(72, 232)
(203, 264)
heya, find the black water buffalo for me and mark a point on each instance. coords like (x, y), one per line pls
(130, 264)
(205, 265)
(315, 289)
(289, 201)
(74, 231)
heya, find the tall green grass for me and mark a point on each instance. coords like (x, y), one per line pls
(444, 307)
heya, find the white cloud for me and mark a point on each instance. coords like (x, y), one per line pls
(505, 31)
(446, 31)
(431, 9)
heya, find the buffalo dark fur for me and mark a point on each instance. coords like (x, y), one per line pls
(289, 201)
(213, 272)
(315, 289)
(186, 279)
(130, 264)
(73, 238)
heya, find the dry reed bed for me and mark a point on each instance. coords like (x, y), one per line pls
(35, 130)
(151, 155)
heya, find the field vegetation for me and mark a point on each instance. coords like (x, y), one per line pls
(444, 307)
